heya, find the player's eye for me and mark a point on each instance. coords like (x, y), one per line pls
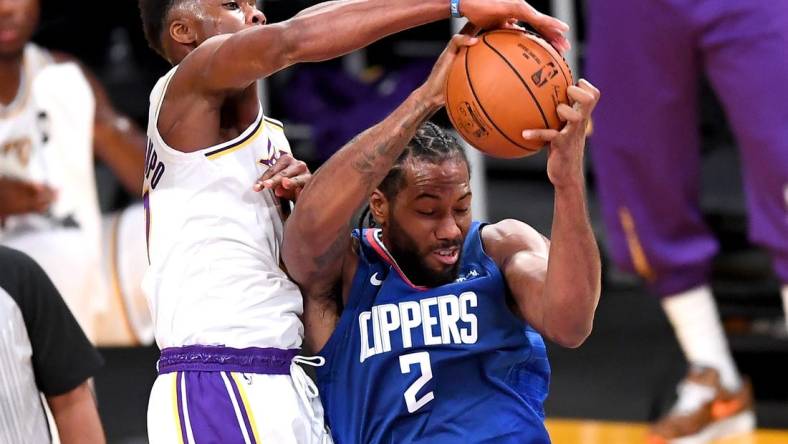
(231, 5)
(426, 212)
(461, 210)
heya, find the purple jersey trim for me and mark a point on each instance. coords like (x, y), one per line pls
(200, 358)
(181, 417)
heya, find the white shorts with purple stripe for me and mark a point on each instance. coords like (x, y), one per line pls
(224, 395)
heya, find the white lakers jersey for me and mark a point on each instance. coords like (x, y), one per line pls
(213, 242)
(46, 136)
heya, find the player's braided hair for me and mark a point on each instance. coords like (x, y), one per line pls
(431, 144)
(154, 19)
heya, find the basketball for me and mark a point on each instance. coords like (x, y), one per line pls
(508, 82)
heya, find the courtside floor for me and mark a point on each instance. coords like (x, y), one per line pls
(564, 431)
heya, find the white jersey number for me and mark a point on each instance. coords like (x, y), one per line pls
(423, 360)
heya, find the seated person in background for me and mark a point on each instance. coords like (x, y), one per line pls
(54, 117)
(43, 350)
(427, 323)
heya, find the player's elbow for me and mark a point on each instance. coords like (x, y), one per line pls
(571, 339)
(571, 333)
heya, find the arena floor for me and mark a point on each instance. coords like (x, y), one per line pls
(565, 431)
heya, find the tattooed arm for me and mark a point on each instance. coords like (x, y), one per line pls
(317, 241)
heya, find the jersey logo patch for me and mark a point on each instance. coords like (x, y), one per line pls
(375, 281)
(470, 275)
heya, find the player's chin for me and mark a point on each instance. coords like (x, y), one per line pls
(442, 273)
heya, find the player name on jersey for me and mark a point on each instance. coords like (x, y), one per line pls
(448, 319)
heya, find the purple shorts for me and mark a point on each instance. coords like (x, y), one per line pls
(646, 57)
(214, 394)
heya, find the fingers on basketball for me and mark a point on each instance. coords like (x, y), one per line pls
(540, 136)
(568, 113)
(470, 29)
(584, 94)
(460, 40)
(552, 28)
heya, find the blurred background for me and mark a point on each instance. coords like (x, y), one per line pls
(626, 371)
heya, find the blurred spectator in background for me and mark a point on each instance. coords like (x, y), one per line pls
(647, 57)
(54, 116)
(338, 105)
(42, 349)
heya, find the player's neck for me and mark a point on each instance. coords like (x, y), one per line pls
(10, 78)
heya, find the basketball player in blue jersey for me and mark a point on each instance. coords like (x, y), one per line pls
(225, 313)
(428, 325)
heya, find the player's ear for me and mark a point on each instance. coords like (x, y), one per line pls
(379, 207)
(182, 31)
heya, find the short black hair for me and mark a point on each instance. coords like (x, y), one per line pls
(430, 143)
(154, 19)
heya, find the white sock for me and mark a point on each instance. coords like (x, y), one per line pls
(696, 322)
(785, 303)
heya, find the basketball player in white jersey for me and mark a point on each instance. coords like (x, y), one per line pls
(54, 117)
(225, 313)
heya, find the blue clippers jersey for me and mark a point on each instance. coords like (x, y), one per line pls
(449, 364)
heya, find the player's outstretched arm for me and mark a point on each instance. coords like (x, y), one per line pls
(331, 29)
(556, 284)
(317, 234)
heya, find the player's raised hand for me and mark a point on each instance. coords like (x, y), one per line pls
(21, 197)
(492, 14)
(435, 85)
(287, 177)
(565, 153)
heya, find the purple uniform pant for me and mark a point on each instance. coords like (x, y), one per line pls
(222, 395)
(646, 57)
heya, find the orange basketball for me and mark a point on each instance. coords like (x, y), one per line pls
(508, 82)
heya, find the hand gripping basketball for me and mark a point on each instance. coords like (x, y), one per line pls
(434, 88)
(494, 14)
(567, 147)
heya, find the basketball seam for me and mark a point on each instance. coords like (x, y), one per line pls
(481, 106)
(536, 102)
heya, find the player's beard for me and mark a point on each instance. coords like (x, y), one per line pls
(412, 262)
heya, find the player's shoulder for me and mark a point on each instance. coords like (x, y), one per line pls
(510, 235)
(62, 57)
(69, 61)
(195, 66)
(274, 124)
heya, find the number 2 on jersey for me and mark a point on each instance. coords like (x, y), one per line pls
(423, 360)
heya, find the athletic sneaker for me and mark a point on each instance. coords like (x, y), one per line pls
(705, 411)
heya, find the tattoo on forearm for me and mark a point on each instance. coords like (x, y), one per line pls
(367, 160)
(335, 250)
